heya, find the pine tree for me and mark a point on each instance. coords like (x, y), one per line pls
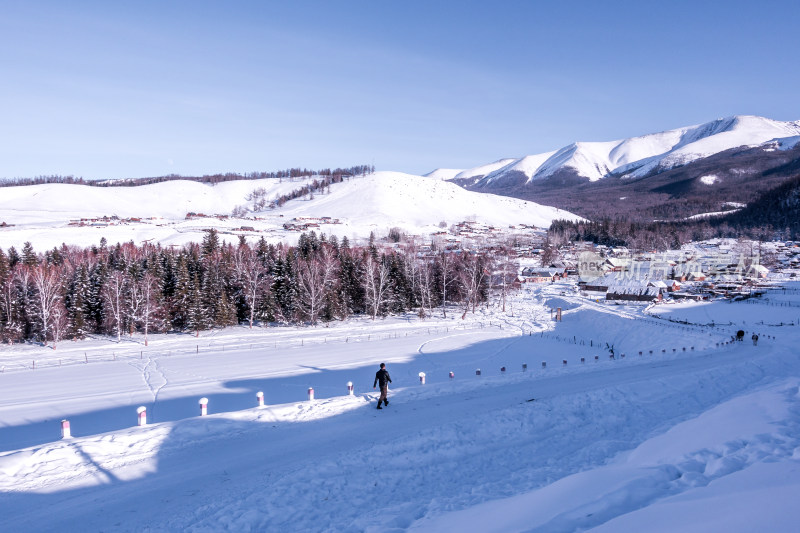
(182, 294)
(29, 257)
(225, 312)
(210, 242)
(94, 305)
(77, 303)
(198, 318)
(263, 251)
(402, 297)
(285, 287)
(350, 287)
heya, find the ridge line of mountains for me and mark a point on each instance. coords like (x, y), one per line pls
(715, 167)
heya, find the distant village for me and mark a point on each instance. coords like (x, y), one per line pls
(722, 268)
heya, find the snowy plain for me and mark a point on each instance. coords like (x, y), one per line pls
(699, 435)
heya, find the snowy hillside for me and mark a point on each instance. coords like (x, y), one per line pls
(695, 434)
(170, 199)
(416, 203)
(636, 156)
(40, 214)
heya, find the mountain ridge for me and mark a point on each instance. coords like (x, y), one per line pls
(633, 157)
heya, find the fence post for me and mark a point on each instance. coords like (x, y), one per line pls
(544, 364)
(524, 367)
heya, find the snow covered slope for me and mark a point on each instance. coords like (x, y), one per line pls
(702, 440)
(170, 199)
(636, 156)
(416, 203)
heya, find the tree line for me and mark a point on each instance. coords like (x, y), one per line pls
(206, 178)
(667, 235)
(70, 292)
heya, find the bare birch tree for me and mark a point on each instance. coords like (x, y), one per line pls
(59, 321)
(425, 273)
(144, 307)
(46, 281)
(376, 283)
(114, 298)
(316, 275)
(446, 264)
(252, 277)
(507, 271)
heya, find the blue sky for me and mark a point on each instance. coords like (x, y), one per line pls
(113, 90)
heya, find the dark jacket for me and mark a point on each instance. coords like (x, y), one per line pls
(382, 377)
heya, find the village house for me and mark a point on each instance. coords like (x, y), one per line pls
(540, 275)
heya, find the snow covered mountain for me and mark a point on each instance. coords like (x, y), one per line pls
(635, 157)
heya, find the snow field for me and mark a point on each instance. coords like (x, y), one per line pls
(617, 444)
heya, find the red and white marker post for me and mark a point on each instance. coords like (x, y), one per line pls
(310, 393)
(349, 388)
(452, 375)
(142, 412)
(65, 431)
(203, 406)
(260, 398)
(422, 378)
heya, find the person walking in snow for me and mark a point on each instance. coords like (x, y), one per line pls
(755, 339)
(382, 378)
